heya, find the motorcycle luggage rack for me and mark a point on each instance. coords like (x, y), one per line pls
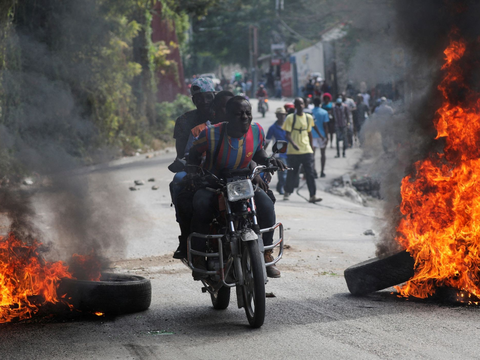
(278, 242)
(218, 254)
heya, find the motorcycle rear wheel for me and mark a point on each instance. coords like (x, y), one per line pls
(221, 300)
(254, 286)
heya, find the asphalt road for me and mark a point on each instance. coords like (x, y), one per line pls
(311, 314)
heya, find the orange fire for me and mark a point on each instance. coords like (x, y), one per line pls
(27, 281)
(440, 226)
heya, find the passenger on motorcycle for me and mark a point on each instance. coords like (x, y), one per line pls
(203, 93)
(239, 142)
(219, 115)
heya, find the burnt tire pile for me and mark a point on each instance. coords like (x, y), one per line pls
(377, 274)
(114, 294)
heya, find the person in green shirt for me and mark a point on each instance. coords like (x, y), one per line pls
(298, 129)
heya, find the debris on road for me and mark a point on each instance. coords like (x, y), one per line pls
(369, 232)
(367, 185)
(139, 182)
(133, 188)
(155, 187)
(27, 181)
(270, 295)
(151, 179)
(160, 332)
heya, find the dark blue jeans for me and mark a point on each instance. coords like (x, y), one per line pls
(294, 161)
(205, 203)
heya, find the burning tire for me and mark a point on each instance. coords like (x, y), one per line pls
(114, 294)
(377, 274)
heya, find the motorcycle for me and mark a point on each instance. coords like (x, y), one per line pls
(234, 248)
(262, 105)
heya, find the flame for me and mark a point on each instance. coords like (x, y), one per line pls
(23, 276)
(440, 207)
(27, 281)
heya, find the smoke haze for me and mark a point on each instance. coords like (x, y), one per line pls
(48, 132)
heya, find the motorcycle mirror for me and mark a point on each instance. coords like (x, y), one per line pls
(177, 166)
(280, 147)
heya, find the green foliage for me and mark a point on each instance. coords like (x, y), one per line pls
(196, 7)
(168, 112)
(222, 37)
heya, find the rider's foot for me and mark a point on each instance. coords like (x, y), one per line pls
(199, 263)
(181, 252)
(272, 271)
(286, 196)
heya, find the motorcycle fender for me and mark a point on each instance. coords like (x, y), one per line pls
(249, 235)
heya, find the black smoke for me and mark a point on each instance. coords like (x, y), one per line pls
(47, 131)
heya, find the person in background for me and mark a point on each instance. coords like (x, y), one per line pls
(298, 128)
(341, 115)
(328, 106)
(320, 140)
(289, 108)
(359, 116)
(384, 113)
(363, 91)
(278, 88)
(261, 92)
(351, 107)
(274, 133)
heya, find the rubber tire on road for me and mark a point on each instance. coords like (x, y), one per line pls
(222, 300)
(255, 315)
(114, 294)
(377, 274)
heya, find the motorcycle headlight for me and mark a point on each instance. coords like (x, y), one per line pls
(238, 190)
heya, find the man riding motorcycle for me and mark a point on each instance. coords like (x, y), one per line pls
(228, 146)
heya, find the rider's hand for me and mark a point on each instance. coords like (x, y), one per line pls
(295, 146)
(278, 163)
(260, 183)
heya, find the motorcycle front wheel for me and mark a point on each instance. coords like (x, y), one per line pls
(254, 285)
(221, 299)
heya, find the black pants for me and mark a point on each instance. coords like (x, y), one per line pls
(294, 161)
(205, 203)
(342, 135)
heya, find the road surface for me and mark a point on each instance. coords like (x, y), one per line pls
(311, 314)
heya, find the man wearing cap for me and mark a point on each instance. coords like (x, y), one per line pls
(341, 115)
(203, 93)
(298, 128)
(275, 132)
